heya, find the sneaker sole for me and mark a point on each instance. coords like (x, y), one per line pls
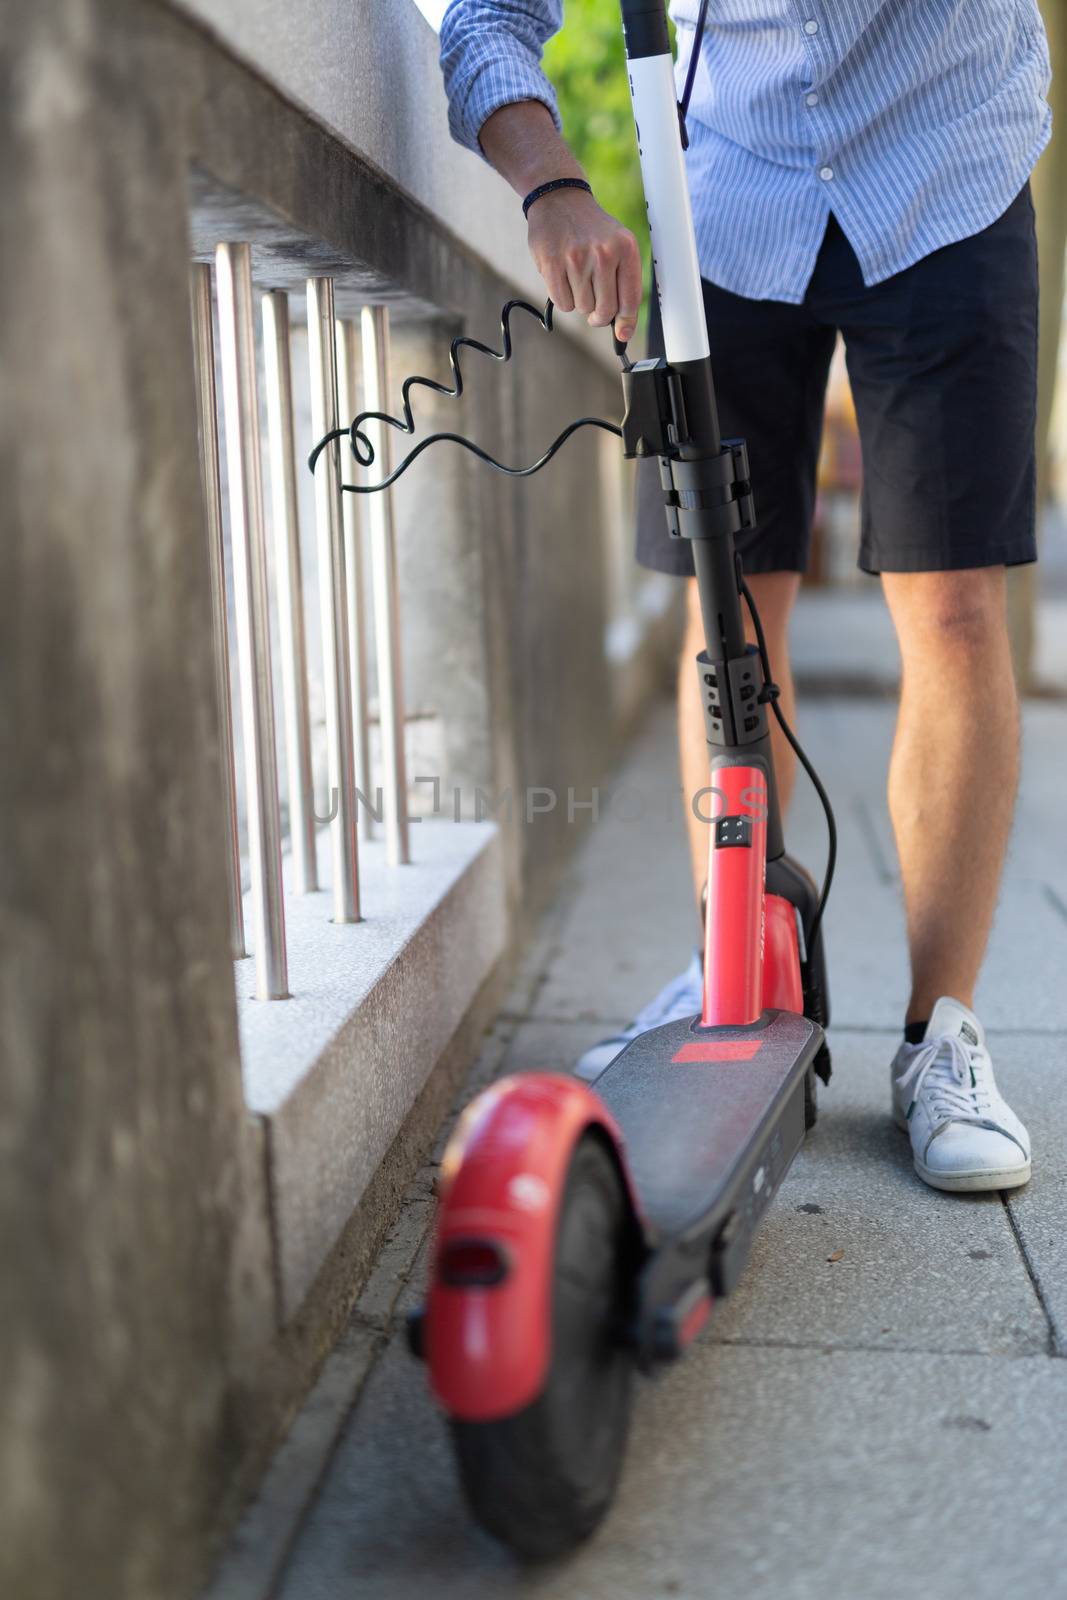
(955, 1182)
(967, 1182)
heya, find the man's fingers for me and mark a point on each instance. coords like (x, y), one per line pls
(604, 290)
(579, 277)
(591, 267)
(559, 290)
(628, 280)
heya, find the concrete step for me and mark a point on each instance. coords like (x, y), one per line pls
(334, 1070)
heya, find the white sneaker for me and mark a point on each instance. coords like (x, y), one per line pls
(682, 997)
(963, 1134)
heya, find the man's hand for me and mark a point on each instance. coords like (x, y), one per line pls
(590, 262)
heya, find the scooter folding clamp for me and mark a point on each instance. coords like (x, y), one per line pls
(655, 424)
(718, 486)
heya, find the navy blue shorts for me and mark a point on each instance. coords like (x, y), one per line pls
(942, 359)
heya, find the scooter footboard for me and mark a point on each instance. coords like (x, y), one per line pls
(487, 1326)
(711, 1116)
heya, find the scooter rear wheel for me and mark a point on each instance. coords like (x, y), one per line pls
(541, 1480)
(811, 1100)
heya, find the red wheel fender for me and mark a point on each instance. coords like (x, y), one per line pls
(782, 987)
(488, 1346)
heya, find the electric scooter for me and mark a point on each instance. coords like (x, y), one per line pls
(585, 1231)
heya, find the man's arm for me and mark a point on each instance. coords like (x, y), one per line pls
(590, 262)
(501, 103)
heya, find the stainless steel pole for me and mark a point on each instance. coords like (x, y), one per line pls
(285, 516)
(208, 425)
(375, 330)
(233, 271)
(322, 355)
(347, 399)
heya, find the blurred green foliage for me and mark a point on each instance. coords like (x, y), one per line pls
(587, 65)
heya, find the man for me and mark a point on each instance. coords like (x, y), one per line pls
(859, 168)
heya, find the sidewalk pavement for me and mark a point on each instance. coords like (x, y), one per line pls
(881, 1408)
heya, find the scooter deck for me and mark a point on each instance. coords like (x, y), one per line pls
(711, 1119)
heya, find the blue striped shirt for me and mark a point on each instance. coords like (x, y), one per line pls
(916, 122)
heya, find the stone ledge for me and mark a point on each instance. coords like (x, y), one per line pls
(367, 72)
(334, 1070)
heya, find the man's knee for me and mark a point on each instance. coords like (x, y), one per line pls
(962, 611)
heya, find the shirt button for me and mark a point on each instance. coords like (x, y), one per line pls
(811, 26)
(826, 173)
(811, 99)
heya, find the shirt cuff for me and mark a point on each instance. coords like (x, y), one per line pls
(495, 85)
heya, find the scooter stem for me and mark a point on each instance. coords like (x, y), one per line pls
(706, 491)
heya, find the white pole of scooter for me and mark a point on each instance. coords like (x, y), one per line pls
(670, 214)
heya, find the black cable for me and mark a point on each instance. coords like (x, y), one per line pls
(483, 455)
(691, 72)
(363, 448)
(770, 695)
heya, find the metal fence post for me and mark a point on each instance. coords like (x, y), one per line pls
(208, 428)
(332, 588)
(233, 269)
(347, 400)
(375, 330)
(285, 518)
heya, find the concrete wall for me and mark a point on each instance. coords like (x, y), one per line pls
(143, 1367)
(134, 1263)
(367, 70)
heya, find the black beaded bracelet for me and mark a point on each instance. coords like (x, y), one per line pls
(547, 188)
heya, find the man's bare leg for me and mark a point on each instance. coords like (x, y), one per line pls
(774, 594)
(954, 770)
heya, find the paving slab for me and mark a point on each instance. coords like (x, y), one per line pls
(758, 1472)
(543, 1045)
(886, 1423)
(919, 1271)
(258, 1551)
(1034, 1070)
(850, 741)
(631, 923)
(1022, 979)
(629, 928)
(1042, 801)
(844, 635)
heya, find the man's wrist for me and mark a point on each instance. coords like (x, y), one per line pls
(557, 164)
(555, 186)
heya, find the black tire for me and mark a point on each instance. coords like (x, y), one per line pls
(811, 1100)
(542, 1479)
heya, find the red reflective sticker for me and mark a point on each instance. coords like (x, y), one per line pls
(694, 1321)
(717, 1050)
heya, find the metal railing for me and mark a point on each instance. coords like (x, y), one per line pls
(375, 327)
(344, 357)
(208, 426)
(333, 597)
(348, 357)
(288, 577)
(233, 277)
